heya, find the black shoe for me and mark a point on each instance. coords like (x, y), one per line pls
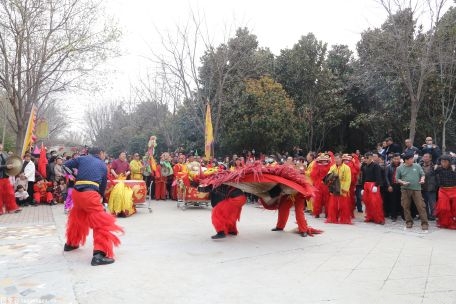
(303, 234)
(277, 229)
(431, 218)
(101, 259)
(69, 247)
(232, 233)
(219, 235)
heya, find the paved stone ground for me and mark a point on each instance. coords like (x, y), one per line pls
(168, 257)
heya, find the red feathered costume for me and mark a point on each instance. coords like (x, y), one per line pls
(7, 198)
(261, 181)
(374, 204)
(321, 167)
(284, 204)
(227, 205)
(445, 209)
(88, 212)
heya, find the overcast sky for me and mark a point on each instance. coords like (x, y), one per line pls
(277, 24)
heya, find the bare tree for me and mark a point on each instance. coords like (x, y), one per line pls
(73, 137)
(55, 117)
(98, 119)
(44, 47)
(162, 93)
(178, 64)
(407, 54)
(445, 53)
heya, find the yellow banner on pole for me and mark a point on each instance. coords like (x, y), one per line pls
(42, 128)
(208, 134)
(29, 137)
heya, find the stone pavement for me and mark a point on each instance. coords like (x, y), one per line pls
(168, 257)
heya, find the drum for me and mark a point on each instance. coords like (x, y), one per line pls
(138, 186)
(192, 194)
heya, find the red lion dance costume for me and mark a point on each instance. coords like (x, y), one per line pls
(319, 170)
(227, 205)
(279, 188)
(283, 205)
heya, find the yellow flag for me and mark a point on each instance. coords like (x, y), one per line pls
(42, 128)
(208, 134)
(30, 133)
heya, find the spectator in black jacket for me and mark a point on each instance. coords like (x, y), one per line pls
(394, 188)
(429, 188)
(431, 148)
(391, 148)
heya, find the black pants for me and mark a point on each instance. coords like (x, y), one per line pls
(169, 184)
(20, 202)
(359, 205)
(30, 192)
(148, 180)
(385, 198)
(394, 201)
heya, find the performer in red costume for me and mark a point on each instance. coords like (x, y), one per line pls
(283, 205)
(278, 187)
(179, 171)
(372, 179)
(339, 180)
(321, 167)
(160, 184)
(88, 211)
(7, 198)
(227, 205)
(352, 161)
(446, 203)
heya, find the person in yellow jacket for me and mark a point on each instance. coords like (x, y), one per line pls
(339, 180)
(310, 157)
(136, 167)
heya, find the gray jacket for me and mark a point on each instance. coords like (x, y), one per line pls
(430, 183)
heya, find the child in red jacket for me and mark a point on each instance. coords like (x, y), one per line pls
(41, 193)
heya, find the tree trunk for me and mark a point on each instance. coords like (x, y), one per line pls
(413, 117)
(444, 137)
(20, 138)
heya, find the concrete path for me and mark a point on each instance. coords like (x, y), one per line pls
(168, 257)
